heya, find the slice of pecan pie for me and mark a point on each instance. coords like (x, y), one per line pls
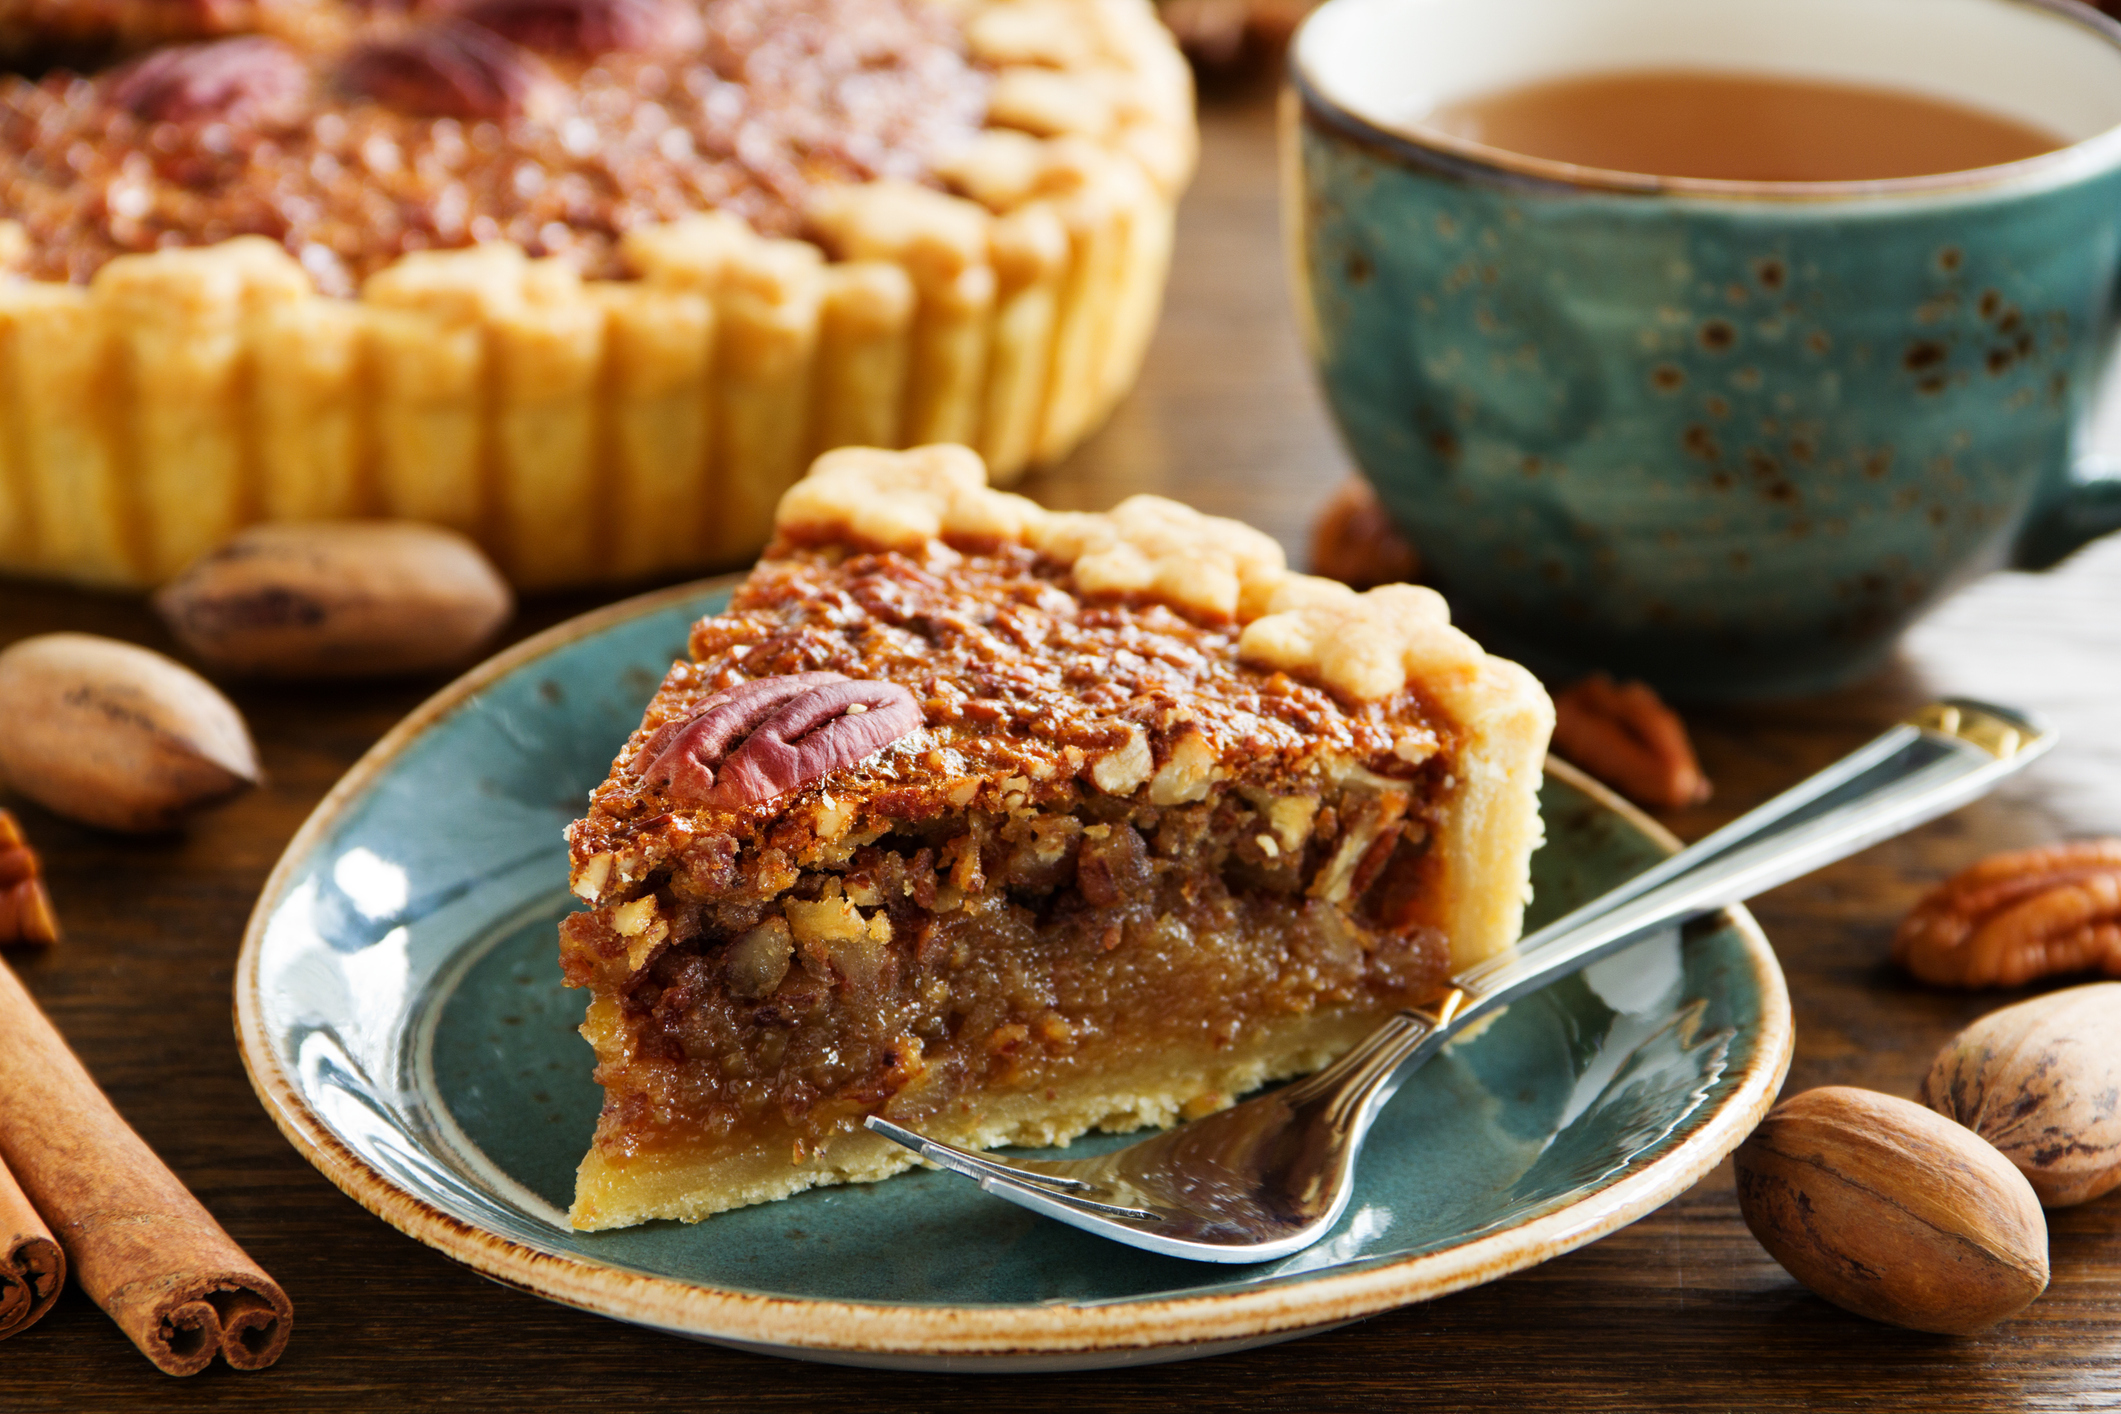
(1009, 824)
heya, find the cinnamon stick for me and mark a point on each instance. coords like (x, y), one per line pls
(140, 1244)
(32, 1268)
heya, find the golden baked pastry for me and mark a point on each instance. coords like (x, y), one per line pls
(1009, 824)
(589, 280)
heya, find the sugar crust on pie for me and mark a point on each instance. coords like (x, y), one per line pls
(1157, 821)
(674, 253)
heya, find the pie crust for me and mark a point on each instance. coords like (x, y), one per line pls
(1159, 821)
(592, 430)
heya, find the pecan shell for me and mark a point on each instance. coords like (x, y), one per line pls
(1891, 1211)
(2018, 916)
(2042, 1082)
(590, 26)
(1623, 734)
(247, 79)
(448, 69)
(760, 740)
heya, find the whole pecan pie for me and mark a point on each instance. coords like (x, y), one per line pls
(591, 280)
(1009, 824)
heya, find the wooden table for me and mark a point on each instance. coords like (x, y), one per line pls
(1680, 1310)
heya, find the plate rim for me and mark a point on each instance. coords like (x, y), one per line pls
(853, 1329)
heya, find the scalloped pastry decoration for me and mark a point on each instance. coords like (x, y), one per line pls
(1151, 546)
(903, 500)
(1364, 646)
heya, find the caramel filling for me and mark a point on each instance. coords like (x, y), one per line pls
(999, 951)
(768, 100)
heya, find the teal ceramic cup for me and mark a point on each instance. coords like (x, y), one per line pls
(1730, 437)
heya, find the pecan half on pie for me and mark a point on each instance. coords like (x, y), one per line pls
(1009, 824)
(590, 280)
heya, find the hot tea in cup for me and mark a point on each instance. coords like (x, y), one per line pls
(1739, 127)
(1711, 341)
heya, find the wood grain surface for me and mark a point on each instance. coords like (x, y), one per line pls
(1682, 1311)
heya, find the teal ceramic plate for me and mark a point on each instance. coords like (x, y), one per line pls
(400, 1009)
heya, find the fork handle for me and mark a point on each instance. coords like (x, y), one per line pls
(1937, 760)
(1947, 754)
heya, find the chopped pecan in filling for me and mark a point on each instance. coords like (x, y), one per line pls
(988, 951)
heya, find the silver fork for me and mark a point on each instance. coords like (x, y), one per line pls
(1271, 1176)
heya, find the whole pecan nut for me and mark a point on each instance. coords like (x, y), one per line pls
(760, 740)
(590, 26)
(448, 69)
(1623, 734)
(25, 908)
(248, 79)
(1211, 32)
(2018, 916)
(1232, 36)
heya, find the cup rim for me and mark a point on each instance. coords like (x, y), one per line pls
(1473, 160)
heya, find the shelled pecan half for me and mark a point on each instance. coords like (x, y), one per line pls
(2019, 916)
(447, 69)
(1623, 734)
(1356, 541)
(230, 80)
(590, 26)
(25, 908)
(759, 740)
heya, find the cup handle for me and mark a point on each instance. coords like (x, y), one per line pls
(2071, 516)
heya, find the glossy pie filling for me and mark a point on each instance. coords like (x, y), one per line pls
(365, 133)
(990, 920)
(1014, 952)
